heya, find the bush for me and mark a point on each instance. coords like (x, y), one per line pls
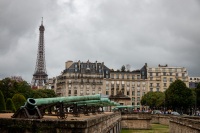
(18, 100)
(2, 102)
(9, 105)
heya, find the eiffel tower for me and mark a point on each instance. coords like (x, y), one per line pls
(40, 76)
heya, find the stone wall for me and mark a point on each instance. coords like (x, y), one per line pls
(160, 119)
(136, 121)
(98, 124)
(184, 125)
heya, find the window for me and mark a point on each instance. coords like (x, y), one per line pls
(157, 89)
(138, 76)
(164, 73)
(138, 93)
(165, 84)
(138, 98)
(107, 92)
(127, 76)
(157, 74)
(133, 98)
(106, 71)
(127, 92)
(122, 76)
(164, 79)
(75, 92)
(138, 83)
(151, 74)
(69, 91)
(151, 89)
(117, 76)
(151, 84)
(133, 93)
(171, 79)
(158, 84)
(133, 76)
(112, 76)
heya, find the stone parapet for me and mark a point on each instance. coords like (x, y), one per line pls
(101, 123)
(136, 121)
(184, 125)
(160, 119)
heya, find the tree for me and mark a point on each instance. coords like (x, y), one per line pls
(18, 100)
(6, 86)
(10, 87)
(153, 99)
(123, 68)
(2, 102)
(43, 93)
(23, 88)
(10, 105)
(179, 96)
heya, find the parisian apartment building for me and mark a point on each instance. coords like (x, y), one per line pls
(193, 82)
(89, 78)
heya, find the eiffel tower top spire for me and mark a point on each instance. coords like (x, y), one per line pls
(40, 76)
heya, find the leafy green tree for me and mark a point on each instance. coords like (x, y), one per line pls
(179, 96)
(2, 102)
(153, 99)
(10, 105)
(7, 88)
(10, 87)
(43, 93)
(24, 88)
(18, 100)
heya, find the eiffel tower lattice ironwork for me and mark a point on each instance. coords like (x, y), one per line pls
(40, 76)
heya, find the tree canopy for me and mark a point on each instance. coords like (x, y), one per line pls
(2, 102)
(11, 87)
(10, 105)
(178, 95)
(18, 100)
(153, 99)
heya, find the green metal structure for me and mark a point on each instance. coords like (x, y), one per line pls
(62, 106)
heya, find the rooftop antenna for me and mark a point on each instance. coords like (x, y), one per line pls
(42, 20)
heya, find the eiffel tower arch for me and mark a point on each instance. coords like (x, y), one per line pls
(40, 76)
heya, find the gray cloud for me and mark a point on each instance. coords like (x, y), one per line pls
(115, 32)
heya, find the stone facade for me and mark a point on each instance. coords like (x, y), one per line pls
(88, 78)
(159, 78)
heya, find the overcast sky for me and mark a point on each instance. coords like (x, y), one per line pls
(116, 32)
